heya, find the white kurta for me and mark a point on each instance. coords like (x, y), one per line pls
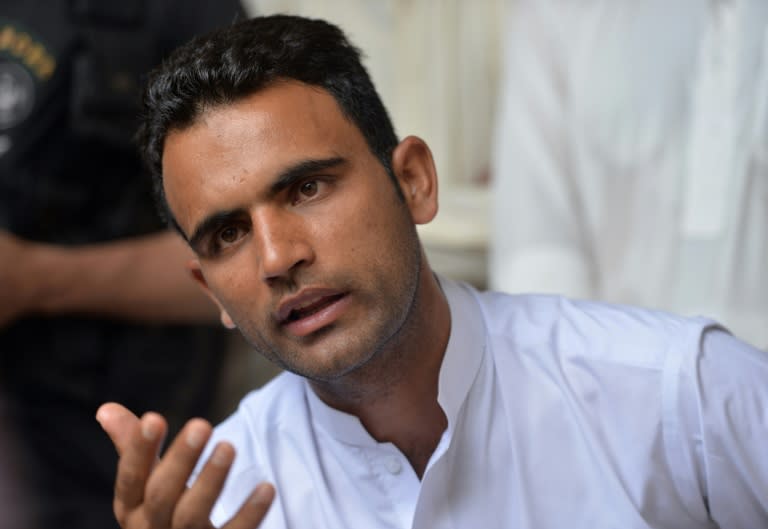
(631, 158)
(560, 414)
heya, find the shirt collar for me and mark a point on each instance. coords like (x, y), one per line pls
(465, 351)
(461, 362)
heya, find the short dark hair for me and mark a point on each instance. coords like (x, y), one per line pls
(233, 62)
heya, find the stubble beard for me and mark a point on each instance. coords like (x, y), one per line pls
(380, 355)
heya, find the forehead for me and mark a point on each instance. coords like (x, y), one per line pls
(250, 142)
(284, 115)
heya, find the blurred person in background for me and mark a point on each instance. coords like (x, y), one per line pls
(14, 493)
(631, 158)
(96, 302)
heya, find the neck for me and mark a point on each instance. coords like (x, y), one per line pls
(395, 394)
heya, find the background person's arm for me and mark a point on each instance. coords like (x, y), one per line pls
(142, 279)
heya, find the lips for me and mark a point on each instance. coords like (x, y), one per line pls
(311, 310)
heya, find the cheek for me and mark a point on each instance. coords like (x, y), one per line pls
(235, 285)
(384, 240)
(361, 235)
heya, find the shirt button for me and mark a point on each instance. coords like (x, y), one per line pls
(394, 466)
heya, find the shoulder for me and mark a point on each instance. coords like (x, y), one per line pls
(259, 412)
(276, 411)
(600, 331)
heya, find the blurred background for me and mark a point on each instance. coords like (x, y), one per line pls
(614, 150)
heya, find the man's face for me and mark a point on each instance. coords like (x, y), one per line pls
(300, 234)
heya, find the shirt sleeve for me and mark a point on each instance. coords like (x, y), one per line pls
(539, 242)
(724, 419)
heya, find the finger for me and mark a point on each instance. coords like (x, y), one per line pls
(118, 422)
(136, 462)
(254, 509)
(197, 502)
(169, 479)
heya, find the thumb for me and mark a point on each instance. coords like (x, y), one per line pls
(118, 422)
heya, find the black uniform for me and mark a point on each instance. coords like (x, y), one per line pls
(70, 76)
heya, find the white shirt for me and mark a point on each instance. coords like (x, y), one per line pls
(560, 414)
(631, 158)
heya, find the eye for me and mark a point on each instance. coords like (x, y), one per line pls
(229, 234)
(309, 188)
(225, 237)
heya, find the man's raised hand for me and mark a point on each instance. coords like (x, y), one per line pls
(152, 492)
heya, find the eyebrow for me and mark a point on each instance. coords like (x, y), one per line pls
(284, 180)
(305, 168)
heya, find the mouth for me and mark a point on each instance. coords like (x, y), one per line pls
(312, 308)
(312, 311)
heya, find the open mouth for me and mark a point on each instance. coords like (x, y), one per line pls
(312, 308)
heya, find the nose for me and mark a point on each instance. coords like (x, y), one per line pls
(282, 241)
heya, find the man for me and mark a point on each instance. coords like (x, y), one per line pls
(411, 400)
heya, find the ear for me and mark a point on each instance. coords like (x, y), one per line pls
(414, 169)
(197, 274)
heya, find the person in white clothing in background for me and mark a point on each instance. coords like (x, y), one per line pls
(631, 156)
(408, 400)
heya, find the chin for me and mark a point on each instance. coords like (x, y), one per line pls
(331, 371)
